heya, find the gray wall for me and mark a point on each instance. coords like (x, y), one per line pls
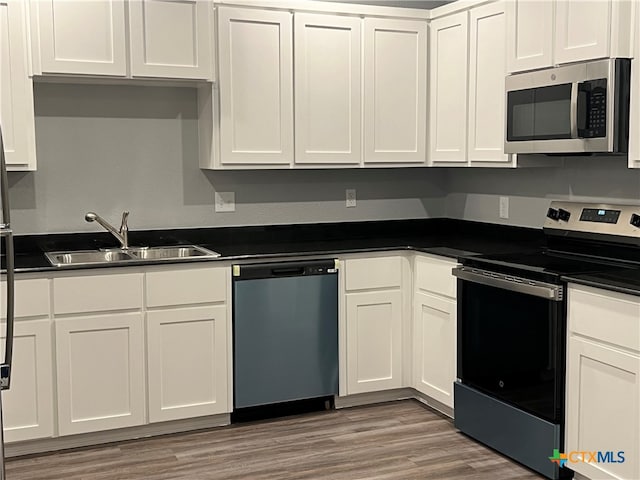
(111, 148)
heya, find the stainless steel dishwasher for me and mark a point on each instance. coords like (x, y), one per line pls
(285, 332)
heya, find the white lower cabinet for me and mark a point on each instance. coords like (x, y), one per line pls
(374, 341)
(603, 384)
(187, 362)
(100, 372)
(434, 321)
(27, 407)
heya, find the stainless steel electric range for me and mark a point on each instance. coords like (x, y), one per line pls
(509, 393)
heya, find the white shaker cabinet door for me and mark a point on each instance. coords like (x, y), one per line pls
(486, 84)
(327, 89)
(82, 37)
(16, 89)
(434, 347)
(374, 341)
(100, 372)
(449, 53)
(583, 30)
(27, 407)
(171, 38)
(187, 362)
(395, 90)
(256, 86)
(529, 34)
(634, 121)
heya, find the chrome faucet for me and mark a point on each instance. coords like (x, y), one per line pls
(121, 235)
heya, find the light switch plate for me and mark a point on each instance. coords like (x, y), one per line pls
(225, 201)
(504, 207)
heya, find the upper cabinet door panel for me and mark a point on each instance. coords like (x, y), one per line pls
(328, 88)
(530, 35)
(582, 30)
(82, 37)
(16, 89)
(486, 83)
(449, 52)
(395, 72)
(256, 86)
(170, 38)
(395, 86)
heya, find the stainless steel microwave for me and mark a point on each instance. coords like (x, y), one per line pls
(579, 108)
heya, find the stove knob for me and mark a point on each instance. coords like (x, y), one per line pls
(553, 214)
(563, 215)
(635, 220)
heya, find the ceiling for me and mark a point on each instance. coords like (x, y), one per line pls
(424, 4)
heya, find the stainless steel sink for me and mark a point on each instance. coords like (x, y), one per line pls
(118, 256)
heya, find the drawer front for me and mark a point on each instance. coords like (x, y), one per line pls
(186, 286)
(95, 293)
(604, 315)
(433, 274)
(31, 298)
(367, 273)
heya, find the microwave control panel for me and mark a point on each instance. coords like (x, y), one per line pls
(592, 109)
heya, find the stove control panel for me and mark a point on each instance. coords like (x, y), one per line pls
(595, 218)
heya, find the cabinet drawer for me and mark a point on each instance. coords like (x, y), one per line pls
(363, 273)
(93, 293)
(433, 274)
(603, 315)
(186, 286)
(31, 298)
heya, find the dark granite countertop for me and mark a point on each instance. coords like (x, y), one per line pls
(625, 280)
(440, 236)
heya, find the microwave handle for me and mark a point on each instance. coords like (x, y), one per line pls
(574, 110)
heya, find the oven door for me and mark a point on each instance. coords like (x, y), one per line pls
(511, 340)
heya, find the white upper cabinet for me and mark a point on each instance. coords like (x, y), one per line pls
(486, 83)
(16, 89)
(530, 32)
(449, 53)
(170, 38)
(582, 30)
(395, 89)
(81, 37)
(634, 121)
(328, 90)
(256, 86)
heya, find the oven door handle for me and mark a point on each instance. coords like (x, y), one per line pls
(510, 282)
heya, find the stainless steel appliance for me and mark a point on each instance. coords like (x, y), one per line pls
(509, 393)
(579, 108)
(285, 332)
(6, 235)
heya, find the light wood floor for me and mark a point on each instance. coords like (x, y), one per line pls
(398, 440)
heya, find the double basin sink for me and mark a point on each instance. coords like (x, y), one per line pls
(118, 256)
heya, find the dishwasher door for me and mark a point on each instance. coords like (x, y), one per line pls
(285, 332)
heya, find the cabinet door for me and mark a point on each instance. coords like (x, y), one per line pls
(81, 37)
(486, 84)
(582, 30)
(529, 34)
(448, 89)
(256, 87)
(395, 90)
(374, 341)
(27, 407)
(187, 362)
(434, 347)
(171, 38)
(100, 372)
(603, 408)
(16, 89)
(634, 121)
(328, 89)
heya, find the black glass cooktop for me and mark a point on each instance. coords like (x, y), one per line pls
(544, 264)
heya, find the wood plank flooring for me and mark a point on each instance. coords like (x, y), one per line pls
(392, 441)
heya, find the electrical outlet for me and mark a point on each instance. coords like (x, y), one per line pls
(351, 197)
(504, 207)
(225, 201)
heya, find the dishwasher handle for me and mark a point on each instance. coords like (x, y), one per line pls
(254, 271)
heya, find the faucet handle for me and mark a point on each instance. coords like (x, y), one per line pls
(123, 224)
